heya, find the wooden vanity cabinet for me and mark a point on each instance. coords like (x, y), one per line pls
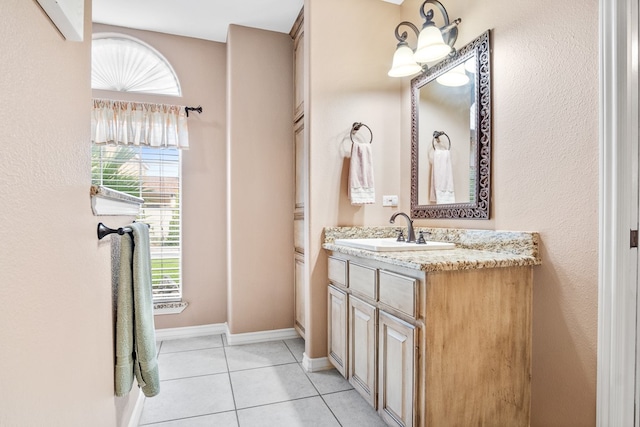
(433, 349)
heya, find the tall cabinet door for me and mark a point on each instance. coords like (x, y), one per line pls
(362, 348)
(337, 333)
(299, 243)
(300, 294)
(396, 376)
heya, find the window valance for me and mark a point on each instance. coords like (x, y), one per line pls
(137, 123)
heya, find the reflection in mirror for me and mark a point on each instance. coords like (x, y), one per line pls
(450, 136)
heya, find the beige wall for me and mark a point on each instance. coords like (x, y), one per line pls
(347, 68)
(201, 69)
(56, 324)
(260, 180)
(544, 160)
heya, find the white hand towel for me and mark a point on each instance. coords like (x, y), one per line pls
(361, 186)
(442, 190)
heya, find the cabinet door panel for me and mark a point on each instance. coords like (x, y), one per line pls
(337, 333)
(299, 294)
(396, 355)
(362, 348)
(299, 166)
(299, 76)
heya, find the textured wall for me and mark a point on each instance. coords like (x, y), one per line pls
(260, 178)
(348, 46)
(56, 324)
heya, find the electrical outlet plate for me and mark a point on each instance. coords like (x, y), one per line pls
(389, 200)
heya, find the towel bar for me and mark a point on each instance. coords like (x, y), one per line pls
(103, 230)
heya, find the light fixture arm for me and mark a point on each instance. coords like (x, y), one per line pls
(402, 38)
(428, 16)
(449, 30)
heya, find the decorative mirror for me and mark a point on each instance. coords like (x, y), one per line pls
(451, 136)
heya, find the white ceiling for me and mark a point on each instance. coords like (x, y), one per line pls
(203, 19)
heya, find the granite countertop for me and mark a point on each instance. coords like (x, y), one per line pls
(474, 249)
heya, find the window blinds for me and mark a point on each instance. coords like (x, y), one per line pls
(154, 175)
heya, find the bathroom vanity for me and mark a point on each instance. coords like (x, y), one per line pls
(438, 337)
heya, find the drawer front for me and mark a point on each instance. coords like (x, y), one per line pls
(337, 271)
(363, 280)
(398, 292)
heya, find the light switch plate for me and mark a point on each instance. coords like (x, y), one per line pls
(390, 201)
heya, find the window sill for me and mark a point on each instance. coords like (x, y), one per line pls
(106, 201)
(176, 307)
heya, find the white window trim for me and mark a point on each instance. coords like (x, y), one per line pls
(174, 307)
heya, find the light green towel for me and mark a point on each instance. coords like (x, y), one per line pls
(135, 333)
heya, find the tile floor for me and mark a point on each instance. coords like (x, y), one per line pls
(205, 382)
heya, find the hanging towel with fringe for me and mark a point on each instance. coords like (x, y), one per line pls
(361, 185)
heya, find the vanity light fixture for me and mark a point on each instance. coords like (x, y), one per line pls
(434, 43)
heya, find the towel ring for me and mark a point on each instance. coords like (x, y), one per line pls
(356, 127)
(436, 137)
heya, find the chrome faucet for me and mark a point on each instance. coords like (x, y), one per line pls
(412, 234)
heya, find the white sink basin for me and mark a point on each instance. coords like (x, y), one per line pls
(391, 244)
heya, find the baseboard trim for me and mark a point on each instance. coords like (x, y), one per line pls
(262, 336)
(190, 331)
(315, 365)
(134, 421)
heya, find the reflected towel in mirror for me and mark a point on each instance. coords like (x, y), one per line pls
(442, 190)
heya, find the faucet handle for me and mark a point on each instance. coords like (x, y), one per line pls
(400, 235)
(421, 240)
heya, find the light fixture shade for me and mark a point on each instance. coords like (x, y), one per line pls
(403, 62)
(431, 45)
(455, 77)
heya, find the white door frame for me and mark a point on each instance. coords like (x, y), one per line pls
(618, 213)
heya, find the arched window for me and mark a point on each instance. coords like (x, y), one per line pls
(136, 150)
(125, 64)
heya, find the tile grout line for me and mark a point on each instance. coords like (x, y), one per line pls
(321, 395)
(233, 396)
(159, 349)
(183, 418)
(235, 409)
